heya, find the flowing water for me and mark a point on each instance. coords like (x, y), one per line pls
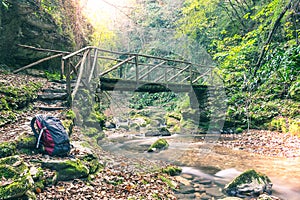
(210, 160)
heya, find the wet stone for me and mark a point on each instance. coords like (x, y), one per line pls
(205, 182)
(187, 176)
(215, 192)
(186, 196)
(200, 190)
(186, 190)
(205, 197)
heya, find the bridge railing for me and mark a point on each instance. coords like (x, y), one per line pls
(93, 62)
(127, 66)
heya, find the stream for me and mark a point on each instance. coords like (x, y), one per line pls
(200, 157)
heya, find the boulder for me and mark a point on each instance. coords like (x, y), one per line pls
(159, 132)
(158, 145)
(109, 125)
(152, 133)
(249, 184)
(16, 179)
(87, 163)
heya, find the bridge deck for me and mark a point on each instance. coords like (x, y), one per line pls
(110, 84)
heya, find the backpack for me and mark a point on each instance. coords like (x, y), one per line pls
(52, 135)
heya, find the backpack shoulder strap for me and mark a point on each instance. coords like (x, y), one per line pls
(32, 126)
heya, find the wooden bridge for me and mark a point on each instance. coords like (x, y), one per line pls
(111, 70)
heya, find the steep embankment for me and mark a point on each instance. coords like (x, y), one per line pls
(50, 24)
(87, 173)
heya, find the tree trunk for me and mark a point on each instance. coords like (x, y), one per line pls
(271, 33)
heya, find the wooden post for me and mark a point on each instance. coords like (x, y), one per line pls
(68, 80)
(136, 71)
(166, 76)
(191, 75)
(62, 71)
(94, 66)
(148, 72)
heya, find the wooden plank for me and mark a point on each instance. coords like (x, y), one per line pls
(155, 67)
(116, 66)
(136, 70)
(109, 84)
(37, 62)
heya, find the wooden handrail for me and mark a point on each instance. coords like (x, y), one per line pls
(76, 52)
(37, 62)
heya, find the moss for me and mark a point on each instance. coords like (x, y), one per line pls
(174, 115)
(70, 114)
(171, 122)
(7, 172)
(27, 142)
(14, 190)
(68, 170)
(169, 182)
(238, 130)
(7, 149)
(91, 132)
(176, 128)
(172, 170)
(14, 169)
(68, 124)
(92, 162)
(158, 145)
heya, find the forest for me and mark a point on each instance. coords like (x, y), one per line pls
(251, 47)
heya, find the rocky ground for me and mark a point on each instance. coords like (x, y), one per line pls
(119, 178)
(263, 142)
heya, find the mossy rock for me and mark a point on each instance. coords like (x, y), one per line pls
(67, 169)
(92, 162)
(27, 145)
(170, 122)
(7, 149)
(158, 145)
(17, 178)
(250, 184)
(172, 170)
